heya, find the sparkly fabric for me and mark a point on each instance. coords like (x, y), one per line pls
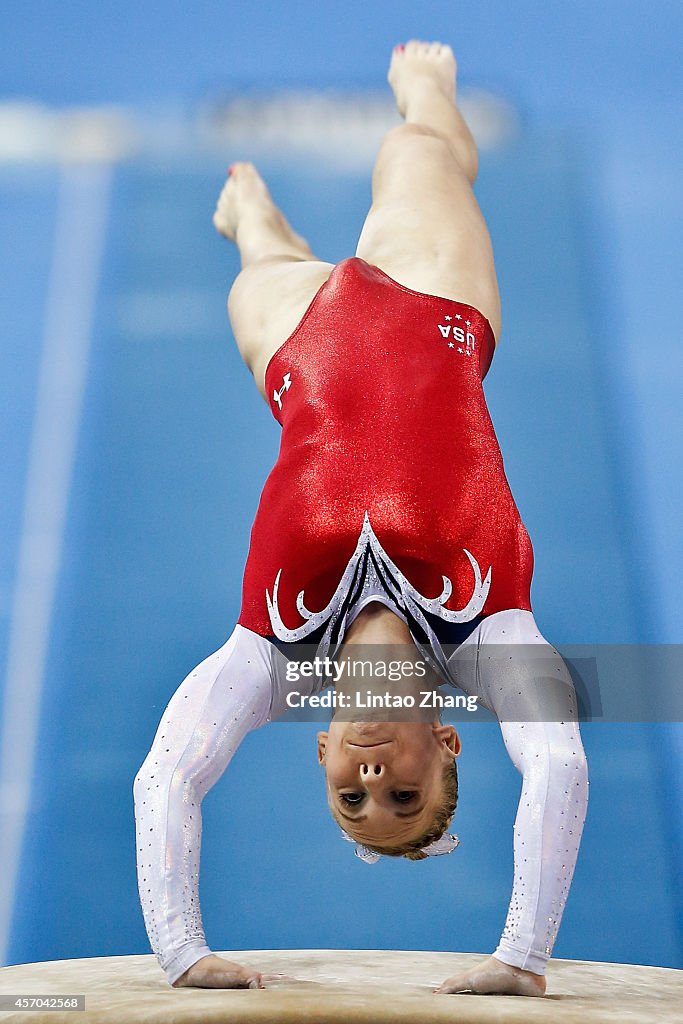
(384, 427)
(389, 486)
(242, 686)
(221, 700)
(522, 679)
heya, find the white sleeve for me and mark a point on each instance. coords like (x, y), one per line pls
(522, 679)
(218, 703)
(547, 833)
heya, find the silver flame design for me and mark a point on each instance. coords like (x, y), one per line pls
(403, 592)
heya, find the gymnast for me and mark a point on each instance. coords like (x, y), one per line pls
(387, 519)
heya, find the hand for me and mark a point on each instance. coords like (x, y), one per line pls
(493, 977)
(216, 972)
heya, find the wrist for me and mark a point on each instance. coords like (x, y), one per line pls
(185, 959)
(527, 963)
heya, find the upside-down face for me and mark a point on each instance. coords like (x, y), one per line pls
(385, 779)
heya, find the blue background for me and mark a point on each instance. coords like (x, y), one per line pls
(174, 443)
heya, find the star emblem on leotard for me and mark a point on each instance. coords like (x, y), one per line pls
(461, 339)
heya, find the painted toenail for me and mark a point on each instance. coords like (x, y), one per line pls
(231, 168)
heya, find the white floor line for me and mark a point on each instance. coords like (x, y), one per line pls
(81, 224)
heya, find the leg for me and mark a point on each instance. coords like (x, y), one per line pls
(280, 275)
(425, 228)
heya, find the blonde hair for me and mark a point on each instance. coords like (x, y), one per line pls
(412, 850)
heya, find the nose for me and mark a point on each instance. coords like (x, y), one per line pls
(372, 771)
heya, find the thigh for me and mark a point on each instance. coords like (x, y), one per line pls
(266, 303)
(425, 228)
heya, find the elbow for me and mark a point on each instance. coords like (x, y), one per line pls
(574, 761)
(150, 776)
(569, 774)
(173, 782)
(559, 762)
(566, 753)
(141, 782)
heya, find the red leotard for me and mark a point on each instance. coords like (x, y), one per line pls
(387, 444)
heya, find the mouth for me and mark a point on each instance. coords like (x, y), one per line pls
(365, 746)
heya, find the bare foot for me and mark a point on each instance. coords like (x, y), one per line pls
(244, 187)
(216, 972)
(493, 977)
(245, 208)
(417, 65)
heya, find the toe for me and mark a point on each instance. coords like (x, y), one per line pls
(238, 169)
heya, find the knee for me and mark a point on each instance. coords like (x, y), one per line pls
(411, 137)
(408, 144)
(412, 130)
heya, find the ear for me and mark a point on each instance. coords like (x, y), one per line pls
(322, 746)
(449, 737)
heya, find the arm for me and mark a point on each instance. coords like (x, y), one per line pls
(218, 703)
(522, 679)
(547, 833)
